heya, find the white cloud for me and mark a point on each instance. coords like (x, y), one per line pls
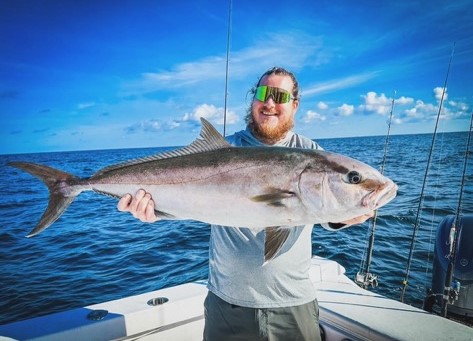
(311, 116)
(346, 109)
(404, 100)
(378, 104)
(438, 91)
(338, 84)
(420, 112)
(184, 74)
(145, 126)
(409, 110)
(86, 105)
(208, 111)
(295, 49)
(211, 113)
(406, 109)
(322, 106)
(464, 107)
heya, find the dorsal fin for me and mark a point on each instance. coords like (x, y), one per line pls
(208, 140)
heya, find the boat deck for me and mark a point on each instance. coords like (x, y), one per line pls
(347, 309)
(346, 312)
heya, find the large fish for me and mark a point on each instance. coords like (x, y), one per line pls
(210, 181)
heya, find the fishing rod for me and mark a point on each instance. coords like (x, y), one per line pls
(229, 32)
(450, 292)
(363, 277)
(421, 199)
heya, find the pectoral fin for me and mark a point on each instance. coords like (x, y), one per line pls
(274, 197)
(276, 236)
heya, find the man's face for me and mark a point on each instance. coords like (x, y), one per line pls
(272, 121)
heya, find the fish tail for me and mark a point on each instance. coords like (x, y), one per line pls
(59, 185)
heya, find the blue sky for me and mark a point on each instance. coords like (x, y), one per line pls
(79, 75)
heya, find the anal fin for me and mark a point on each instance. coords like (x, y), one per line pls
(276, 236)
(164, 215)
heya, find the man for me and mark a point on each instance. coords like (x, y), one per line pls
(248, 300)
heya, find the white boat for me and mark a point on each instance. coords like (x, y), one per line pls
(347, 312)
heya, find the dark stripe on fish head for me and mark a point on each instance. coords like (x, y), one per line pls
(331, 164)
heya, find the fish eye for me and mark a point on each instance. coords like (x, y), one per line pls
(354, 177)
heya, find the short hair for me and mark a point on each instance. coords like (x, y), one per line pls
(280, 71)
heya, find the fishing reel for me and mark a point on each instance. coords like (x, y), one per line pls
(451, 293)
(449, 296)
(365, 280)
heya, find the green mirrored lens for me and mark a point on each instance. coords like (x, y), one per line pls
(280, 96)
(260, 93)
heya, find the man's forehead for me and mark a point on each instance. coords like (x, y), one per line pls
(280, 81)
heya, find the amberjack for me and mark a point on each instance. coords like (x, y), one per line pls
(270, 188)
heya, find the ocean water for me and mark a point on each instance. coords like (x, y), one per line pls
(94, 253)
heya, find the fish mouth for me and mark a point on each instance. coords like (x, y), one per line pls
(380, 196)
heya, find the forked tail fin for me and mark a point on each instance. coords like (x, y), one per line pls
(60, 195)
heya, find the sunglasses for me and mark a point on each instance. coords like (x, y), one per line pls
(280, 96)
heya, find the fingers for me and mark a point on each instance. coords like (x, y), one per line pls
(124, 203)
(136, 203)
(150, 214)
(141, 206)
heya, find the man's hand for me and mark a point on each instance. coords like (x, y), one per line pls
(141, 206)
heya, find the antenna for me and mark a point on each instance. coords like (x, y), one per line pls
(229, 30)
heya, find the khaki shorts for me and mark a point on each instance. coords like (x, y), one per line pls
(225, 321)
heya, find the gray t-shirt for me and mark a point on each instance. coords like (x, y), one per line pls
(236, 255)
